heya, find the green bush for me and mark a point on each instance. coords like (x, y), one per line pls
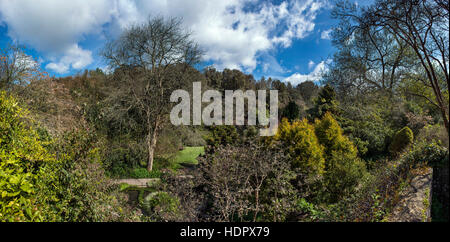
(402, 139)
(291, 111)
(370, 134)
(162, 206)
(52, 180)
(222, 135)
(120, 157)
(139, 173)
(431, 154)
(325, 103)
(343, 175)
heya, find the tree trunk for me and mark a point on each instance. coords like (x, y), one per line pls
(151, 143)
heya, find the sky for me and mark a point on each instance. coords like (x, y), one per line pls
(286, 40)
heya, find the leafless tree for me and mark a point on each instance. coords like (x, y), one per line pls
(16, 67)
(246, 183)
(150, 60)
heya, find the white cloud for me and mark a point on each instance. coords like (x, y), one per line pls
(315, 75)
(326, 34)
(234, 33)
(311, 64)
(56, 27)
(74, 57)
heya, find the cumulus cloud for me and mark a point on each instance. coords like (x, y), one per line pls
(326, 34)
(234, 33)
(314, 76)
(74, 57)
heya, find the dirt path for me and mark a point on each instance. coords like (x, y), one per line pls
(415, 201)
(144, 182)
(137, 182)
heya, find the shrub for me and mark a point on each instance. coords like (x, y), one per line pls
(343, 168)
(222, 135)
(302, 145)
(331, 137)
(434, 133)
(46, 180)
(402, 139)
(370, 134)
(162, 206)
(246, 183)
(83, 190)
(139, 173)
(431, 154)
(343, 175)
(23, 159)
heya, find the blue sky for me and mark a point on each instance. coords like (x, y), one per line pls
(287, 40)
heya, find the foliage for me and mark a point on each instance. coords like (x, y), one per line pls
(344, 173)
(222, 135)
(23, 161)
(302, 145)
(291, 111)
(139, 173)
(343, 168)
(402, 139)
(434, 133)
(82, 188)
(325, 102)
(330, 135)
(161, 206)
(44, 180)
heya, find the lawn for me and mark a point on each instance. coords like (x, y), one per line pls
(189, 154)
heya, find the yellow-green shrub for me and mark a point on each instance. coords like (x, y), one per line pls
(302, 145)
(343, 167)
(330, 135)
(22, 158)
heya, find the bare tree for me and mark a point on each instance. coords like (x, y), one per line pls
(246, 183)
(16, 67)
(150, 59)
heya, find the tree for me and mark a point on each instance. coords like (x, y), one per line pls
(17, 68)
(307, 90)
(150, 59)
(291, 111)
(419, 26)
(326, 102)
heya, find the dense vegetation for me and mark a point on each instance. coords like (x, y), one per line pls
(343, 150)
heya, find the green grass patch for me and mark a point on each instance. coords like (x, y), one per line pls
(189, 155)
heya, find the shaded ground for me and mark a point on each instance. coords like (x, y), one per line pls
(415, 199)
(440, 193)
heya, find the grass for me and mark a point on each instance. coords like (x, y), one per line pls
(189, 155)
